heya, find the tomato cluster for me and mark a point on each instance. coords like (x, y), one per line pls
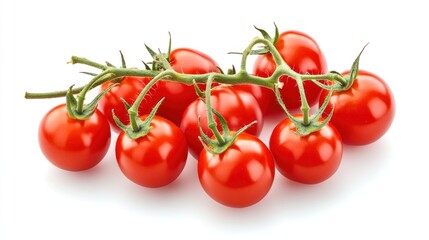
(243, 173)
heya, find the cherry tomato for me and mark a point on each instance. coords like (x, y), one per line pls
(71, 144)
(178, 95)
(128, 89)
(239, 177)
(306, 159)
(238, 107)
(364, 112)
(156, 159)
(303, 55)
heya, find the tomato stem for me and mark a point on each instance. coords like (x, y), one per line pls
(133, 110)
(211, 122)
(118, 72)
(56, 94)
(242, 77)
(75, 60)
(332, 76)
(305, 108)
(81, 95)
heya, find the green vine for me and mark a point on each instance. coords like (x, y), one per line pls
(164, 71)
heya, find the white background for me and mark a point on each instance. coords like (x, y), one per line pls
(380, 190)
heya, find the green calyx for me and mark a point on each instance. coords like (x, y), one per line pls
(305, 124)
(339, 82)
(222, 139)
(138, 127)
(161, 61)
(76, 107)
(267, 37)
(354, 70)
(77, 110)
(263, 49)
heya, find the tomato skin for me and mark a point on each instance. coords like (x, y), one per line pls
(306, 159)
(178, 95)
(74, 145)
(303, 55)
(238, 107)
(128, 89)
(239, 177)
(261, 94)
(191, 61)
(364, 112)
(156, 159)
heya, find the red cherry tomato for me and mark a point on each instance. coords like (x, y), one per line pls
(303, 55)
(156, 159)
(178, 95)
(364, 112)
(128, 89)
(238, 107)
(306, 159)
(239, 177)
(71, 144)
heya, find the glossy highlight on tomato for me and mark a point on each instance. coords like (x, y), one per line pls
(363, 113)
(239, 177)
(71, 144)
(306, 159)
(302, 53)
(238, 107)
(156, 159)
